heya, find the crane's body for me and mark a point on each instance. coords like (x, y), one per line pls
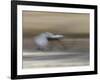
(42, 40)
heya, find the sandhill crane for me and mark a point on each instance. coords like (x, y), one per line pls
(41, 40)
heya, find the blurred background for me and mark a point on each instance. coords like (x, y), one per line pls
(74, 27)
(61, 23)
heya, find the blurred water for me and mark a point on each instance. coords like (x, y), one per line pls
(73, 52)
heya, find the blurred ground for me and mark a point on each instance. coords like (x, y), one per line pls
(74, 52)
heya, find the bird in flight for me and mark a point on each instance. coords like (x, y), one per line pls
(41, 41)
